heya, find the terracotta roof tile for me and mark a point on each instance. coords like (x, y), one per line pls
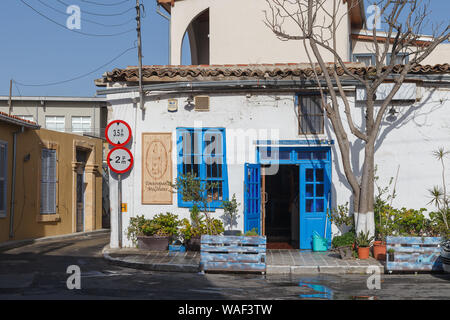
(17, 120)
(250, 71)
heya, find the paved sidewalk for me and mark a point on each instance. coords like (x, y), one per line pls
(307, 262)
(293, 262)
(153, 260)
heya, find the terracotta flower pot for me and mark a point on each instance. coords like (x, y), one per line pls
(363, 252)
(379, 250)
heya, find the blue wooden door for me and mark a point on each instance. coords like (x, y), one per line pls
(314, 201)
(252, 197)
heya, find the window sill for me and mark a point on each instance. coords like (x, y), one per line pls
(48, 218)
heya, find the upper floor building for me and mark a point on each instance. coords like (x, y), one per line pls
(234, 32)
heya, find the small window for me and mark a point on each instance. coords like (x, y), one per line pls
(401, 58)
(3, 176)
(48, 181)
(311, 115)
(56, 123)
(81, 124)
(367, 58)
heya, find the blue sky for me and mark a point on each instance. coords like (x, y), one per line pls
(37, 51)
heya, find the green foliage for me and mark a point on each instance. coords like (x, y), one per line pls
(341, 218)
(363, 240)
(194, 190)
(161, 225)
(135, 227)
(252, 232)
(199, 225)
(230, 209)
(345, 240)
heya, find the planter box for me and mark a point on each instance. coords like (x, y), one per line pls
(232, 233)
(153, 243)
(414, 254)
(193, 244)
(233, 253)
(445, 257)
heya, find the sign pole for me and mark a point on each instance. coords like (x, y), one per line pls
(119, 211)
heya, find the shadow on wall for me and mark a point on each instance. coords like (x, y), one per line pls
(388, 125)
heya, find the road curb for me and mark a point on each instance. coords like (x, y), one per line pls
(130, 263)
(20, 243)
(305, 270)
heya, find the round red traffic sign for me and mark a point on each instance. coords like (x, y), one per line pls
(118, 133)
(120, 160)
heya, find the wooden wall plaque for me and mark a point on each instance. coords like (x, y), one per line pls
(156, 168)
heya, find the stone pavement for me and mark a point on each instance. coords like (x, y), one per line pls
(298, 262)
(293, 262)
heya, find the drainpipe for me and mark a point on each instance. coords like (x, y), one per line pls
(13, 183)
(158, 11)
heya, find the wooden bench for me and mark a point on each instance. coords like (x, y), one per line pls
(233, 253)
(413, 254)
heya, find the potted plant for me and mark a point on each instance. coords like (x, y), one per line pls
(343, 244)
(363, 242)
(390, 254)
(230, 215)
(154, 234)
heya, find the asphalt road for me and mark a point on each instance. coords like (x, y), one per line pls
(39, 271)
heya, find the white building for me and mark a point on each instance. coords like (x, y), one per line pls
(273, 146)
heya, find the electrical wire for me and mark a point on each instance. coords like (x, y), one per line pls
(87, 20)
(75, 78)
(105, 4)
(100, 14)
(74, 30)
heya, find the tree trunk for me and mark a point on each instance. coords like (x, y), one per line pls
(363, 209)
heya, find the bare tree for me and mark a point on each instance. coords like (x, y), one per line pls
(315, 24)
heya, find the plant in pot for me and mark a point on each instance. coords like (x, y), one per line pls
(384, 217)
(363, 242)
(193, 190)
(154, 234)
(230, 215)
(343, 244)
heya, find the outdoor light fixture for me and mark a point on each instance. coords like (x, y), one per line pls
(189, 103)
(392, 112)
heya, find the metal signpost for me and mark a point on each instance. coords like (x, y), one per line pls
(120, 160)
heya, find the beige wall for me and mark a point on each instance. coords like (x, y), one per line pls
(440, 55)
(28, 222)
(95, 110)
(238, 34)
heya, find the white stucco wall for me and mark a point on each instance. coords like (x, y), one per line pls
(406, 142)
(238, 34)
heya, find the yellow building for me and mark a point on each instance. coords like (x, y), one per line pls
(50, 182)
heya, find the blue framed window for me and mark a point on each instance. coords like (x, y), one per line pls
(289, 155)
(401, 58)
(202, 152)
(367, 58)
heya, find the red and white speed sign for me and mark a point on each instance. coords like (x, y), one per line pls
(118, 133)
(120, 160)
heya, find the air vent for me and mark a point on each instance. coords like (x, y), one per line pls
(202, 103)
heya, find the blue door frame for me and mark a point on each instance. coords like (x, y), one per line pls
(314, 188)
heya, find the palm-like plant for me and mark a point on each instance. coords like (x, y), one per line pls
(439, 196)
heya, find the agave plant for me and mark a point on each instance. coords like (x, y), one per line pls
(363, 240)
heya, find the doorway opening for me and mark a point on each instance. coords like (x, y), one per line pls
(281, 212)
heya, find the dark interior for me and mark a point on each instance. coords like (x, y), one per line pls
(282, 212)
